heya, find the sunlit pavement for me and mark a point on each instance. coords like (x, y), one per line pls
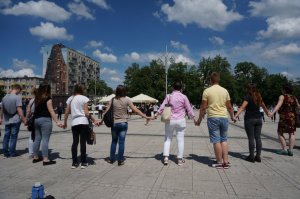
(144, 176)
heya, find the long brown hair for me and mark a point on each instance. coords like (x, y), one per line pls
(254, 93)
(43, 93)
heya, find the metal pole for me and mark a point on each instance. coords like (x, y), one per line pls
(166, 68)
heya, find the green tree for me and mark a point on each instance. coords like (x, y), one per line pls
(101, 88)
(2, 92)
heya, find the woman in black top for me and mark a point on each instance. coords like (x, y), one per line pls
(43, 114)
(253, 121)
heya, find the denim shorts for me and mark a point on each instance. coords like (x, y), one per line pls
(217, 128)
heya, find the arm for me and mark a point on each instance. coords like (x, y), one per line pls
(28, 110)
(52, 113)
(1, 115)
(201, 112)
(139, 112)
(20, 113)
(189, 108)
(265, 109)
(67, 112)
(279, 104)
(87, 113)
(230, 110)
(162, 106)
(241, 109)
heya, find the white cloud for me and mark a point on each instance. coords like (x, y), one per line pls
(290, 49)
(19, 64)
(133, 57)
(283, 18)
(107, 71)
(287, 74)
(105, 57)
(81, 10)
(211, 14)
(100, 3)
(267, 8)
(5, 3)
(19, 73)
(216, 40)
(116, 79)
(281, 28)
(94, 44)
(113, 74)
(44, 9)
(183, 59)
(49, 31)
(180, 46)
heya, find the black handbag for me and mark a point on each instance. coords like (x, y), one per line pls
(91, 137)
(108, 118)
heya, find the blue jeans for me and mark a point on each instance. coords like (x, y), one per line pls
(43, 130)
(10, 139)
(118, 133)
(217, 128)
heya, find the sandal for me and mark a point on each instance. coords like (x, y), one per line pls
(166, 161)
(180, 161)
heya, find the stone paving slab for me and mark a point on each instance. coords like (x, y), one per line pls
(144, 176)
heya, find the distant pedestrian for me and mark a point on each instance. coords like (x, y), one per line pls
(217, 101)
(179, 104)
(286, 107)
(30, 110)
(262, 114)
(272, 111)
(60, 110)
(155, 108)
(77, 105)
(120, 126)
(100, 110)
(149, 110)
(252, 121)
(235, 110)
(12, 115)
(44, 114)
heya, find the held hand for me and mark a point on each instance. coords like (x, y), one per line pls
(270, 114)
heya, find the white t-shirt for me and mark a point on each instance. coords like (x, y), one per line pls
(77, 109)
(100, 107)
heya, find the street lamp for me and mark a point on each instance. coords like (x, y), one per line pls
(165, 61)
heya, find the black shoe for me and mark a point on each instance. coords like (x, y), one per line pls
(250, 159)
(74, 165)
(257, 159)
(121, 162)
(84, 165)
(37, 160)
(108, 160)
(50, 162)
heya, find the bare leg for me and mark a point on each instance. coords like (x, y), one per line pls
(224, 146)
(218, 152)
(291, 141)
(282, 141)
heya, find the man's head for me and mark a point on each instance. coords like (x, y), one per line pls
(215, 78)
(16, 88)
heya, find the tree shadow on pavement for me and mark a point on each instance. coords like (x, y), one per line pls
(269, 150)
(237, 155)
(201, 159)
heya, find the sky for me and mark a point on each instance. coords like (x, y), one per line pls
(118, 33)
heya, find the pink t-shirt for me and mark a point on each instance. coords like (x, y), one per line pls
(179, 105)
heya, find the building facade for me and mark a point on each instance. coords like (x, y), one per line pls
(63, 67)
(27, 83)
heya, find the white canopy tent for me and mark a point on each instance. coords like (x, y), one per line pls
(142, 98)
(107, 98)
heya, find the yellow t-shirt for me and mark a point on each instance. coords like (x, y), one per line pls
(216, 97)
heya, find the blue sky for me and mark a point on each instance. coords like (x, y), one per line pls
(119, 32)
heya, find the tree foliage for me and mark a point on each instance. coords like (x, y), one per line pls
(150, 79)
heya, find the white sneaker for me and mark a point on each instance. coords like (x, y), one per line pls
(84, 165)
(166, 161)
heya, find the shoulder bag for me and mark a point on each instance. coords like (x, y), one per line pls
(108, 118)
(166, 114)
(30, 119)
(91, 137)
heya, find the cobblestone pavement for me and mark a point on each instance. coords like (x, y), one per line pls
(144, 176)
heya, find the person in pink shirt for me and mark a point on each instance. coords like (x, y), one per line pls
(179, 104)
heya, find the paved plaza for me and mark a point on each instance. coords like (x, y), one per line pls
(144, 175)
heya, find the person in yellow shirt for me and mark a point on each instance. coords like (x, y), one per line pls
(216, 100)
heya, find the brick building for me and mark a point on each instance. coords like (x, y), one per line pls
(63, 67)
